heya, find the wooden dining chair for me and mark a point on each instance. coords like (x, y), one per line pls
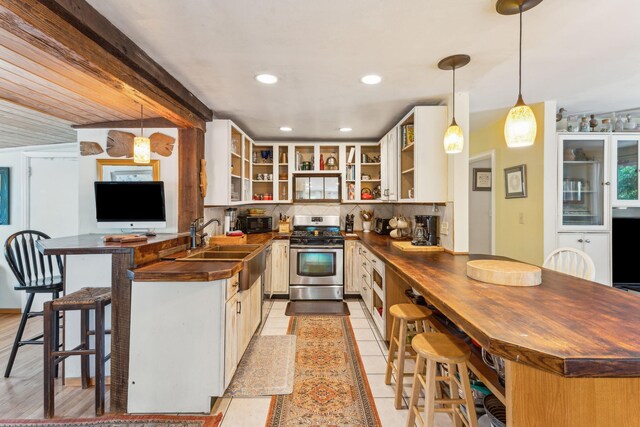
(36, 274)
(571, 261)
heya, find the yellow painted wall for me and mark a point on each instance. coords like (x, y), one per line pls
(523, 242)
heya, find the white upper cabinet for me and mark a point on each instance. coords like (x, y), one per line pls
(228, 154)
(422, 160)
(389, 166)
(624, 170)
(583, 184)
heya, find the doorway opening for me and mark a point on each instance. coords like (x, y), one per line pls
(482, 202)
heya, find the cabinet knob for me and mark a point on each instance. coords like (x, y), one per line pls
(580, 240)
(587, 241)
(386, 192)
(364, 277)
(373, 261)
(606, 183)
(364, 264)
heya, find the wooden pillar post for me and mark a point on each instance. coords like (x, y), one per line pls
(190, 152)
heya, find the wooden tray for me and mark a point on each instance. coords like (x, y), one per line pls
(227, 240)
(408, 247)
(506, 273)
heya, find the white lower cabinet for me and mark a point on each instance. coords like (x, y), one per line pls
(178, 334)
(351, 284)
(230, 339)
(597, 246)
(280, 267)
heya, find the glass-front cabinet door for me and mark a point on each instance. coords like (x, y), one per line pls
(583, 184)
(624, 176)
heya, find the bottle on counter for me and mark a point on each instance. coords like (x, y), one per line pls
(321, 162)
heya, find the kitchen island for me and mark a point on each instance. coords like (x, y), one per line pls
(571, 346)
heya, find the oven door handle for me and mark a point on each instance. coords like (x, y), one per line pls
(313, 247)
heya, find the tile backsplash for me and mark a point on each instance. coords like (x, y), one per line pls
(379, 210)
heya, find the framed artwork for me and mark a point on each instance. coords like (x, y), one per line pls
(127, 170)
(481, 179)
(4, 196)
(515, 182)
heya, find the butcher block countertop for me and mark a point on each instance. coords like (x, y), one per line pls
(200, 271)
(568, 326)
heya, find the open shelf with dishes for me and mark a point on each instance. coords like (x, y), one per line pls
(407, 158)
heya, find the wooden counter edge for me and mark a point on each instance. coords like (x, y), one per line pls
(203, 276)
(563, 367)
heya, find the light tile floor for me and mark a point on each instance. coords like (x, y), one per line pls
(253, 411)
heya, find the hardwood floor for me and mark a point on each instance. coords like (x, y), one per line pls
(21, 395)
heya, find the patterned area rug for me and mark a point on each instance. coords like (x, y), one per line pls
(124, 421)
(267, 367)
(331, 388)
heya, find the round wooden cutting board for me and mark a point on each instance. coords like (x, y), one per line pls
(507, 273)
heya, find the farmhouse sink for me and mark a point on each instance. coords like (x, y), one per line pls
(233, 248)
(251, 256)
(216, 255)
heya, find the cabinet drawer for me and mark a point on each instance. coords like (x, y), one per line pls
(232, 286)
(365, 264)
(376, 263)
(365, 277)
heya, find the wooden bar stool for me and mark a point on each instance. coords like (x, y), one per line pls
(433, 348)
(403, 314)
(85, 299)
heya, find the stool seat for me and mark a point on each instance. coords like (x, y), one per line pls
(410, 312)
(84, 297)
(442, 348)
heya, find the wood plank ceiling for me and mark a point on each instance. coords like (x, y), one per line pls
(42, 97)
(63, 64)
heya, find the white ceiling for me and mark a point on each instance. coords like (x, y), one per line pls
(583, 53)
(21, 126)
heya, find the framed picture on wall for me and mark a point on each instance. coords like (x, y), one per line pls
(127, 170)
(515, 182)
(4, 196)
(481, 179)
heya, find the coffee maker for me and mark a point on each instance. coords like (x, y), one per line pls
(425, 231)
(230, 217)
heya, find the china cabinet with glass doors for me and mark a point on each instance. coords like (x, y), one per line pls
(583, 182)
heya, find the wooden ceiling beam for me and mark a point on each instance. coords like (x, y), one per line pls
(154, 122)
(71, 30)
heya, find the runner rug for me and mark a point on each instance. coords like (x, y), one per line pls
(123, 421)
(330, 385)
(267, 367)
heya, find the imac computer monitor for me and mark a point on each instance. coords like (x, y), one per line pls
(130, 204)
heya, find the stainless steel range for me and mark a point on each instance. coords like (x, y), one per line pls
(316, 269)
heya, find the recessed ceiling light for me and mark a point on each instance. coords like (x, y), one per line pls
(345, 129)
(267, 79)
(371, 79)
(286, 129)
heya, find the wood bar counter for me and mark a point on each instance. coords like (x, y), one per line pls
(123, 257)
(571, 346)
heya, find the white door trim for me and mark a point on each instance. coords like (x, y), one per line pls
(26, 181)
(491, 154)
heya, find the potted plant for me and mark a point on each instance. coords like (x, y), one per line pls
(366, 216)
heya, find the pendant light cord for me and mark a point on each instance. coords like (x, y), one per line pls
(520, 56)
(141, 120)
(454, 93)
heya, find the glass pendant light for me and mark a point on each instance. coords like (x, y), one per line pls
(141, 145)
(521, 128)
(453, 137)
